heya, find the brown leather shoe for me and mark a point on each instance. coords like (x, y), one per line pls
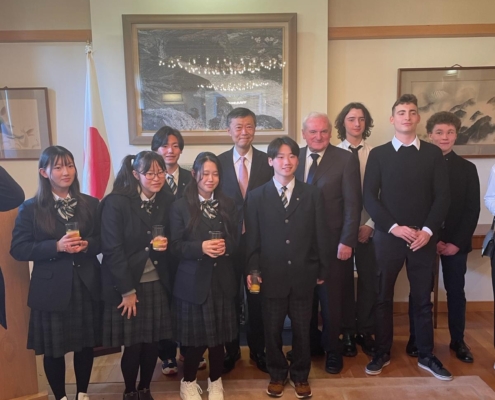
(303, 390)
(275, 389)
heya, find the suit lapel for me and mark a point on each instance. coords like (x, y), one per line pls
(140, 212)
(255, 169)
(230, 177)
(274, 196)
(158, 210)
(302, 164)
(295, 199)
(325, 163)
(184, 178)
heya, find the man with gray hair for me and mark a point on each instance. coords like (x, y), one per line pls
(336, 173)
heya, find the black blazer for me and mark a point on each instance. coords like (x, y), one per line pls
(184, 178)
(464, 209)
(339, 181)
(195, 270)
(287, 246)
(125, 243)
(11, 194)
(51, 280)
(260, 173)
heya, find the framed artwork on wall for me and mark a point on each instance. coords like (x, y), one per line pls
(24, 123)
(468, 92)
(190, 71)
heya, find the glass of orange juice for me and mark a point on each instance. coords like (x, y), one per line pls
(72, 229)
(255, 282)
(158, 236)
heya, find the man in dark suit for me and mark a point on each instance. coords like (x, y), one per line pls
(169, 143)
(406, 192)
(286, 242)
(454, 240)
(336, 173)
(244, 169)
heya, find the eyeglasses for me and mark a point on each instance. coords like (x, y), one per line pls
(152, 175)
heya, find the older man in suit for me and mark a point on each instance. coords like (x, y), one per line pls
(244, 169)
(336, 173)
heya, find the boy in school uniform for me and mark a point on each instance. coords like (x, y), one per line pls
(284, 225)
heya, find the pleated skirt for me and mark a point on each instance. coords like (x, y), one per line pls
(152, 323)
(57, 333)
(208, 324)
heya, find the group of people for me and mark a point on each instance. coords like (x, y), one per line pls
(303, 218)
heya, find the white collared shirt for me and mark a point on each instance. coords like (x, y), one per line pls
(144, 198)
(397, 143)
(201, 198)
(57, 197)
(174, 175)
(248, 162)
(289, 186)
(309, 161)
(363, 154)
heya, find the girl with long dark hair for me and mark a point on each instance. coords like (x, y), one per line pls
(65, 283)
(205, 286)
(134, 272)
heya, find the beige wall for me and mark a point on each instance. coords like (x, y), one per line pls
(416, 12)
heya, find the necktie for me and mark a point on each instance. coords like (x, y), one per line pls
(355, 150)
(312, 168)
(147, 205)
(171, 183)
(283, 197)
(66, 207)
(209, 208)
(243, 176)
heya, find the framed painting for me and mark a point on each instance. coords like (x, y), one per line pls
(24, 123)
(190, 71)
(467, 92)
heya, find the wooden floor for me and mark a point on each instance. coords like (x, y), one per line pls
(478, 335)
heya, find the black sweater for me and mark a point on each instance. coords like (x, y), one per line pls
(406, 187)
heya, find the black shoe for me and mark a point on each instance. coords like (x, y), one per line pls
(334, 363)
(348, 345)
(367, 343)
(230, 360)
(411, 349)
(375, 366)
(433, 365)
(130, 396)
(462, 351)
(260, 360)
(145, 394)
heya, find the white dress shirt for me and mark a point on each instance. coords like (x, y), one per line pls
(309, 161)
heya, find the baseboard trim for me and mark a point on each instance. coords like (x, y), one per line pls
(473, 306)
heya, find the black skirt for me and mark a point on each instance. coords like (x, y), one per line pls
(152, 323)
(57, 333)
(209, 324)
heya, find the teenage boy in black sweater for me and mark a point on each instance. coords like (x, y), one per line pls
(406, 192)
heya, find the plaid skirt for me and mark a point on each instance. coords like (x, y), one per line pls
(57, 333)
(209, 324)
(152, 323)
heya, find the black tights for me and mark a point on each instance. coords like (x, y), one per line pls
(141, 355)
(193, 357)
(55, 372)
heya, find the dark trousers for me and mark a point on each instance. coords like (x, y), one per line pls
(274, 312)
(454, 270)
(391, 253)
(330, 295)
(254, 320)
(358, 314)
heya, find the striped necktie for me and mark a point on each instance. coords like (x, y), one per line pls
(171, 183)
(66, 207)
(283, 197)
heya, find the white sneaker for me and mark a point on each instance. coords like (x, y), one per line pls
(82, 396)
(215, 389)
(190, 390)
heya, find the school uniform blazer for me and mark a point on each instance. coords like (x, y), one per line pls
(195, 270)
(338, 178)
(184, 178)
(464, 208)
(51, 280)
(260, 173)
(287, 245)
(126, 233)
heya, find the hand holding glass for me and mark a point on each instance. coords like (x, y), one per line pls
(255, 282)
(72, 229)
(159, 239)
